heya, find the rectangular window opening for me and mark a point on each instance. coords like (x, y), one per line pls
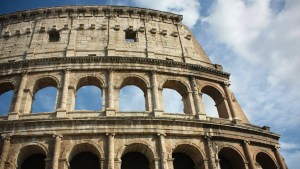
(54, 36)
(130, 36)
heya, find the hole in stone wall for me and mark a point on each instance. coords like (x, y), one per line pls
(134, 160)
(54, 36)
(265, 161)
(36, 161)
(85, 160)
(88, 98)
(130, 36)
(209, 105)
(5, 102)
(131, 99)
(45, 100)
(182, 161)
(172, 101)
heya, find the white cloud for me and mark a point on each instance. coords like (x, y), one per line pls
(264, 62)
(188, 8)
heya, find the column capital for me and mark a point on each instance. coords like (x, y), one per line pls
(207, 136)
(67, 70)
(6, 137)
(24, 72)
(111, 70)
(57, 135)
(226, 83)
(246, 142)
(153, 72)
(161, 134)
(277, 147)
(110, 134)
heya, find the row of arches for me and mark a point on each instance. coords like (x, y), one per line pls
(138, 156)
(133, 93)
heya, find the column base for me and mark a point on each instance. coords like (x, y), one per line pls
(13, 116)
(201, 116)
(110, 112)
(158, 113)
(237, 121)
(61, 113)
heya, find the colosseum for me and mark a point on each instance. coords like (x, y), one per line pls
(111, 47)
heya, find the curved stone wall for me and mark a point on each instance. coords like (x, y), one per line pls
(93, 48)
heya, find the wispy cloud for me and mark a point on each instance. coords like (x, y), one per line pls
(188, 8)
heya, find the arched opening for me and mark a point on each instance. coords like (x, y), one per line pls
(210, 107)
(5, 102)
(89, 94)
(135, 151)
(131, 99)
(6, 95)
(85, 155)
(133, 94)
(230, 159)
(44, 95)
(36, 161)
(44, 100)
(218, 99)
(32, 156)
(134, 160)
(182, 161)
(265, 161)
(88, 98)
(85, 160)
(187, 157)
(171, 98)
(172, 101)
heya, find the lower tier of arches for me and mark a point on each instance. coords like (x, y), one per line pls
(133, 151)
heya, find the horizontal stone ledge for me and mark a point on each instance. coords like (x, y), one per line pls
(112, 59)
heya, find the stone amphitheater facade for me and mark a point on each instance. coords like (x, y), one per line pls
(111, 47)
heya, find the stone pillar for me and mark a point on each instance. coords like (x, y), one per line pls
(211, 161)
(15, 114)
(248, 154)
(191, 103)
(155, 96)
(197, 102)
(279, 158)
(111, 150)
(103, 163)
(110, 110)
(230, 104)
(156, 164)
(148, 100)
(118, 163)
(5, 150)
(163, 152)
(170, 163)
(62, 110)
(57, 148)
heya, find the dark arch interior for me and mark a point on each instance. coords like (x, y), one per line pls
(265, 161)
(230, 159)
(225, 163)
(85, 160)
(134, 160)
(182, 161)
(35, 161)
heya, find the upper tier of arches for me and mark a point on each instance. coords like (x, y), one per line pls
(67, 83)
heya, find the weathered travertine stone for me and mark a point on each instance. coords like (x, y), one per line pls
(110, 48)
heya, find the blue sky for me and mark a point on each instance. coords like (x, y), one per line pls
(257, 41)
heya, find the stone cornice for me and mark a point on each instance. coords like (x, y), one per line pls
(112, 59)
(89, 10)
(228, 130)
